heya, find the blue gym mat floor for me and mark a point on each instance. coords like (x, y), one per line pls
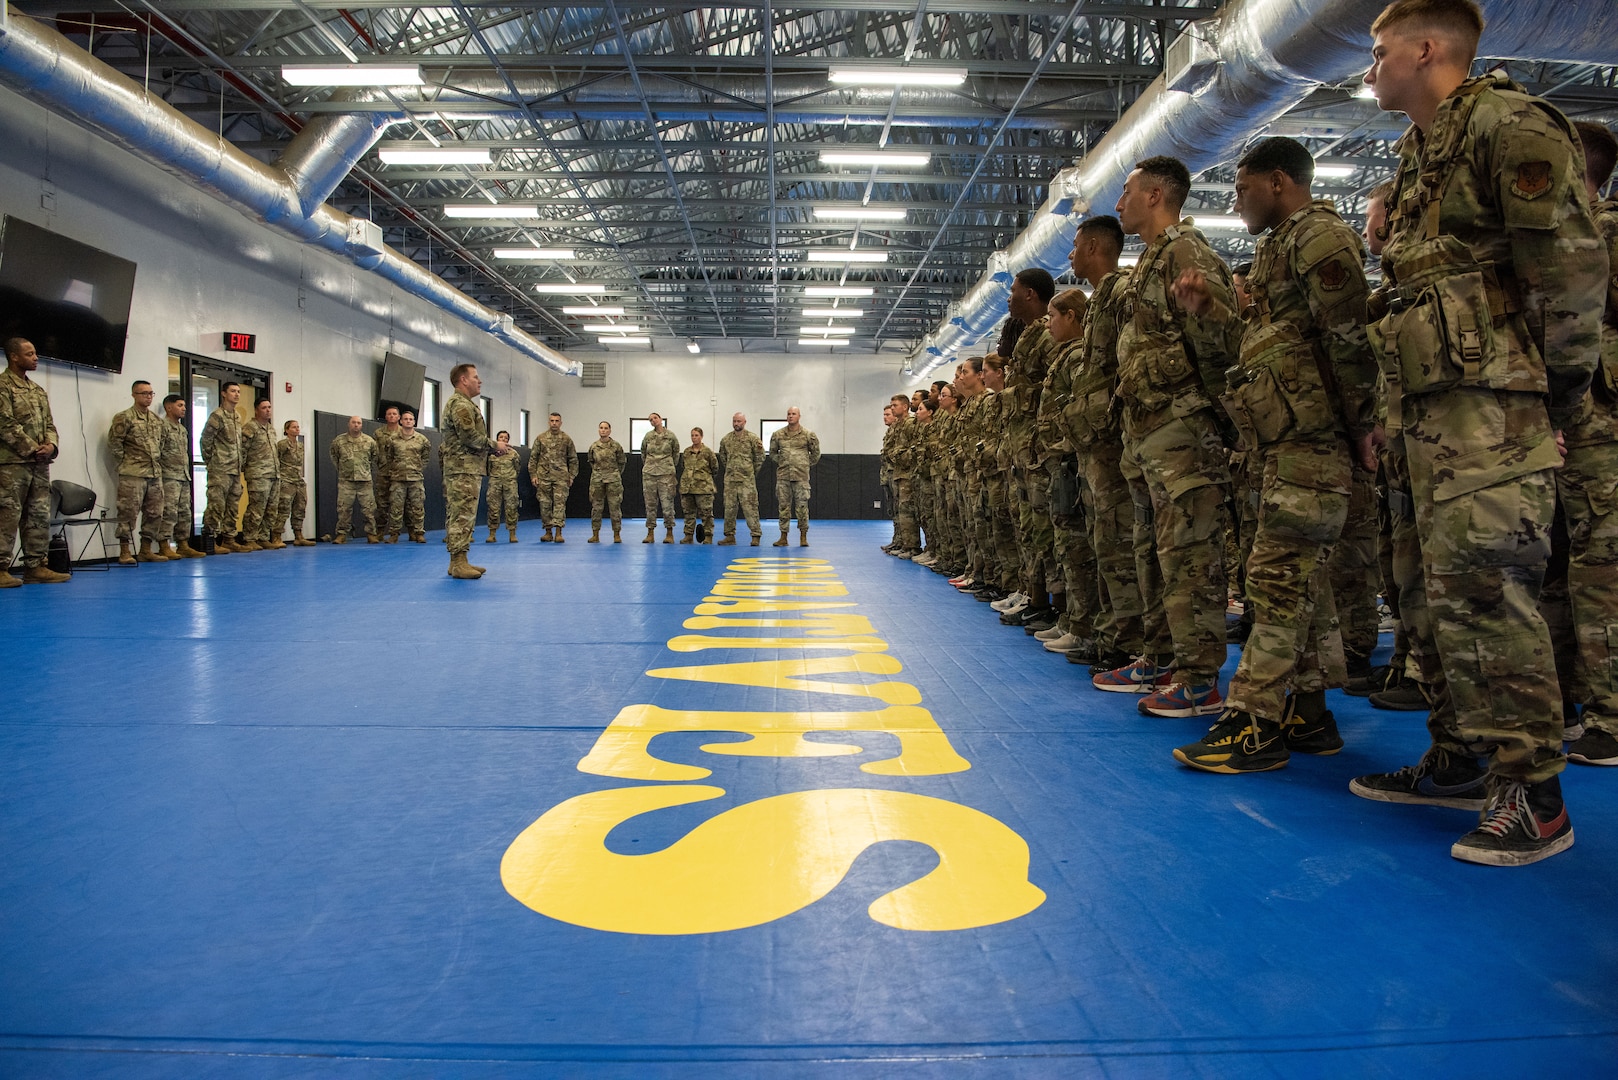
(322, 813)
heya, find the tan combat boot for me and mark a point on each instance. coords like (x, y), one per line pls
(512, 531)
(7, 581)
(559, 539)
(651, 534)
(617, 534)
(803, 536)
(299, 541)
(126, 557)
(490, 540)
(418, 538)
(595, 534)
(188, 552)
(43, 575)
(668, 535)
(686, 539)
(783, 541)
(756, 538)
(166, 549)
(372, 538)
(275, 544)
(339, 539)
(461, 569)
(547, 538)
(249, 545)
(728, 541)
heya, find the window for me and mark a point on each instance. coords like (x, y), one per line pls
(522, 427)
(766, 428)
(486, 407)
(429, 404)
(639, 428)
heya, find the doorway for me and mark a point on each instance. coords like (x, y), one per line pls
(197, 379)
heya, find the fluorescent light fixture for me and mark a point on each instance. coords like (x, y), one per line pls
(857, 213)
(892, 158)
(624, 340)
(490, 210)
(848, 256)
(439, 155)
(832, 312)
(820, 341)
(827, 331)
(610, 328)
(838, 291)
(570, 289)
(535, 254)
(1218, 221)
(1333, 172)
(692, 347)
(898, 76)
(351, 75)
(599, 311)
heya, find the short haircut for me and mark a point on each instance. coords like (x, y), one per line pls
(1279, 153)
(172, 398)
(1241, 269)
(1107, 228)
(286, 427)
(391, 408)
(1069, 302)
(1460, 19)
(457, 372)
(555, 414)
(407, 412)
(226, 386)
(905, 398)
(137, 384)
(1600, 151)
(1381, 192)
(1040, 281)
(939, 384)
(1171, 175)
(14, 345)
(498, 434)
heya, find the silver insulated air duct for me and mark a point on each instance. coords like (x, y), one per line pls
(45, 67)
(1225, 79)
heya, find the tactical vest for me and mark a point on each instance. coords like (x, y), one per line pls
(1156, 371)
(1089, 414)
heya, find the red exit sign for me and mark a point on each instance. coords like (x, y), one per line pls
(240, 342)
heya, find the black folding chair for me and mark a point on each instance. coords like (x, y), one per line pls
(74, 506)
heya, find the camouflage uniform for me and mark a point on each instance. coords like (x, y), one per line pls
(292, 493)
(1004, 557)
(174, 462)
(741, 456)
(794, 453)
(382, 473)
(1075, 559)
(407, 501)
(607, 461)
(1496, 276)
(926, 483)
(354, 456)
(1171, 370)
(659, 452)
(262, 471)
(136, 441)
(25, 484)
(698, 465)
(947, 469)
(553, 464)
(1030, 482)
(1300, 392)
(505, 504)
(463, 452)
(899, 444)
(222, 453)
(1352, 568)
(979, 466)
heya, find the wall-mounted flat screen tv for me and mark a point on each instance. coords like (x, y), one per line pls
(70, 299)
(402, 381)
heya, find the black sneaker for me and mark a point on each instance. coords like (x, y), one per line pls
(1041, 621)
(989, 593)
(1593, 748)
(1369, 682)
(1522, 824)
(1238, 743)
(1312, 736)
(1238, 631)
(1111, 660)
(1438, 779)
(1085, 653)
(1407, 695)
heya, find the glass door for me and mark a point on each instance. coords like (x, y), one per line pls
(197, 379)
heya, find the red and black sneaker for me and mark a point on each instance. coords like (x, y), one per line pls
(1522, 824)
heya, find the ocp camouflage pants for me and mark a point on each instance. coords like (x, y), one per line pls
(1004, 557)
(659, 492)
(1353, 571)
(741, 496)
(1155, 640)
(382, 488)
(904, 519)
(504, 503)
(1110, 514)
(1295, 643)
(698, 508)
(347, 492)
(1588, 485)
(1077, 562)
(407, 507)
(607, 493)
(793, 499)
(979, 529)
(1041, 573)
(552, 492)
(140, 497)
(461, 491)
(291, 505)
(926, 520)
(25, 504)
(261, 499)
(1410, 582)
(955, 533)
(177, 510)
(224, 496)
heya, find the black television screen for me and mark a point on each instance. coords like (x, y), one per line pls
(70, 299)
(401, 383)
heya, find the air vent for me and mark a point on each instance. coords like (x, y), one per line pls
(593, 373)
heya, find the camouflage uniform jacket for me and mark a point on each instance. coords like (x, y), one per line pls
(699, 465)
(899, 444)
(25, 419)
(554, 456)
(1306, 368)
(607, 459)
(976, 440)
(353, 455)
(258, 451)
(795, 453)
(1170, 362)
(947, 436)
(1598, 422)
(659, 452)
(174, 458)
(408, 456)
(928, 466)
(466, 445)
(289, 459)
(222, 440)
(136, 441)
(504, 468)
(1050, 430)
(741, 455)
(1025, 380)
(384, 450)
(1090, 415)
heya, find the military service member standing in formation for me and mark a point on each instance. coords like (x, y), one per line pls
(407, 501)
(354, 454)
(504, 501)
(262, 472)
(659, 457)
(136, 442)
(698, 466)
(464, 453)
(382, 476)
(553, 464)
(607, 461)
(221, 445)
(899, 455)
(174, 462)
(27, 447)
(741, 456)
(292, 502)
(795, 450)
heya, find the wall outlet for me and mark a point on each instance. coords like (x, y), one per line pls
(876, 506)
